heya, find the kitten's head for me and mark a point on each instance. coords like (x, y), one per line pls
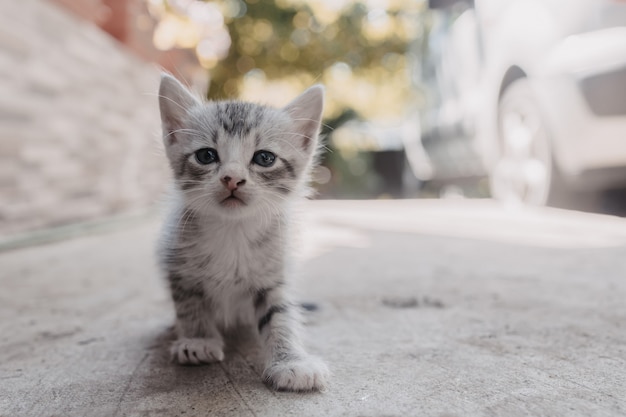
(235, 158)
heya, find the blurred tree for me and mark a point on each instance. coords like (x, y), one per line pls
(355, 47)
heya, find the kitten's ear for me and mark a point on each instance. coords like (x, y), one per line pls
(174, 102)
(306, 112)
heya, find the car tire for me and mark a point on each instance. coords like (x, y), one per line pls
(524, 172)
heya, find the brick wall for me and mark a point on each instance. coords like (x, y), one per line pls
(79, 128)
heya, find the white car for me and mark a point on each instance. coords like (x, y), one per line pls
(531, 93)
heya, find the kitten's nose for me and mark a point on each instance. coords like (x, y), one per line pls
(232, 183)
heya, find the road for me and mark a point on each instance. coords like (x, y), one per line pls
(425, 308)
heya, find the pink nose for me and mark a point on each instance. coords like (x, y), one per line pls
(232, 183)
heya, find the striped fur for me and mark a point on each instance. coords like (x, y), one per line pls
(224, 245)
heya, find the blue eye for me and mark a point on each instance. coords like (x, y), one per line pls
(264, 158)
(206, 156)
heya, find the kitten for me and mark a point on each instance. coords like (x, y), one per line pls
(237, 168)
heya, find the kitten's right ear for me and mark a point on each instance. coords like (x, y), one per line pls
(175, 100)
(306, 113)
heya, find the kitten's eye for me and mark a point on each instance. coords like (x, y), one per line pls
(264, 158)
(206, 156)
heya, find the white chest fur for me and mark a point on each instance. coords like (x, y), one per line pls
(232, 261)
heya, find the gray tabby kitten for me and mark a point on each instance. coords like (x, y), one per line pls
(237, 168)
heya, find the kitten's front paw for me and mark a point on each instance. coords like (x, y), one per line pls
(188, 351)
(306, 374)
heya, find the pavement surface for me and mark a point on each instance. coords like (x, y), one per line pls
(426, 308)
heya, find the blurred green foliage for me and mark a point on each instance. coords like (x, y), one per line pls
(357, 48)
(287, 40)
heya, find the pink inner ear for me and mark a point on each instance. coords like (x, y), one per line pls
(308, 131)
(169, 128)
(175, 100)
(306, 112)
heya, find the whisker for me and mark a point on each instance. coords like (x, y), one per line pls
(168, 99)
(191, 132)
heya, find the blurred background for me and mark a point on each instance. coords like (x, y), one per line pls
(520, 100)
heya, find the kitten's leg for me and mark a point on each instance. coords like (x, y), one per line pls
(199, 341)
(287, 365)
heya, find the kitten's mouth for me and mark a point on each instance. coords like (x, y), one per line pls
(232, 201)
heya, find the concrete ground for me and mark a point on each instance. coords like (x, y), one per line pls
(426, 308)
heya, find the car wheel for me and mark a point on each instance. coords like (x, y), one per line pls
(524, 172)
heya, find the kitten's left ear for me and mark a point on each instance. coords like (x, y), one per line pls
(306, 112)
